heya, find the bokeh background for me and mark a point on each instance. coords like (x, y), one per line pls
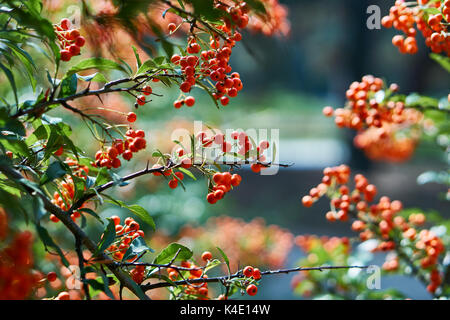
(287, 83)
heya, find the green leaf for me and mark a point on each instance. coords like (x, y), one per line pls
(109, 235)
(167, 254)
(187, 172)
(146, 66)
(48, 242)
(443, 61)
(14, 143)
(138, 59)
(137, 246)
(225, 258)
(54, 171)
(416, 100)
(68, 86)
(92, 213)
(95, 63)
(103, 177)
(138, 211)
(97, 76)
(11, 80)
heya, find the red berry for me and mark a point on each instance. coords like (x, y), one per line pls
(256, 274)
(65, 24)
(206, 256)
(80, 41)
(252, 290)
(185, 87)
(127, 155)
(140, 100)
(131, 117)
(224, 100)
(248, 271)
(173, 183)
(147, 90)
(65, 55)
(74, 50)
(190, 101)
(52, 276)
(59, 151)
(171, 27)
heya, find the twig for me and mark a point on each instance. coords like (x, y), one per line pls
(239, 274)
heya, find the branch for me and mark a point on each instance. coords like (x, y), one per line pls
(107, 88)
(79, 234)
(238, 274)
(110, 184)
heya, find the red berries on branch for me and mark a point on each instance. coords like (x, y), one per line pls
(64, 198)
(370, 110)
(222, 183)
(109, 157)
(17, 278)
(70, 40)
(380, 220)
(125, 234)
(434, 27)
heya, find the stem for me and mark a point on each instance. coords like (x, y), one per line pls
(224, 279)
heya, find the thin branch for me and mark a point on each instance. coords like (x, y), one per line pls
(238, 274)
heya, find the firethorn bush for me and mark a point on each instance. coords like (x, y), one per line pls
(100, 68)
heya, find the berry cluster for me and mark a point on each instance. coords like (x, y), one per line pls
(362, 109)
(141, 100)
(135, 141)
(64, 198)
(125, 234)
(253, 274)
(378, 122)
(17, 279)
(138, 274)
(70, 40)
(199, 291)
(213, 63)
(434, 27)
(386, 144)
(379, 220)
(223, 182)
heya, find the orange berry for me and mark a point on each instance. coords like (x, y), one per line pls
(252, 290)
(248, 271)
(206, 256)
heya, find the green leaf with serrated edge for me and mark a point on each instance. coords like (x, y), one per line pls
(167, 254)
(109, 235)
(48, 242)
(140, 212)
(95, 63)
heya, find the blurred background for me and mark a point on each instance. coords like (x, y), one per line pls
(287, 82)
